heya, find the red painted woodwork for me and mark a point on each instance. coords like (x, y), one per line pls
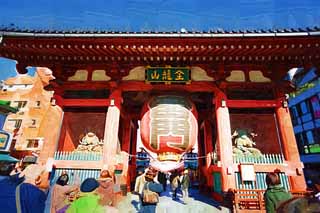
(252, 103)
(78, 124)
(86, 103)
(218, 56)
(224, 142)
(264, 125)
(75, 50)
(290, 148)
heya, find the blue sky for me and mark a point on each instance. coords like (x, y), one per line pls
(156, 15)
(159, 15)
(8, 69)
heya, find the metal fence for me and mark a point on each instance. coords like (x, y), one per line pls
(260, 182)
(82, 174)
(264, 159)
(82, 156)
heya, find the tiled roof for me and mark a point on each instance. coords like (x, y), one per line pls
(9, 31)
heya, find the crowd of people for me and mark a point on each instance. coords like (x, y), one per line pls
(26, 189)
(156, 181)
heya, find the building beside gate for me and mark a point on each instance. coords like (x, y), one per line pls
(224, 91)
(28, 125)
(5, 137)
(305, 115)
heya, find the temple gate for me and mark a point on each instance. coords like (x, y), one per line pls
(234, 80)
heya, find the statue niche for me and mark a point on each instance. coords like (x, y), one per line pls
(243, 144)
(90, 143)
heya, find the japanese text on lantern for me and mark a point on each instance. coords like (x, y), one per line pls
(168, 74)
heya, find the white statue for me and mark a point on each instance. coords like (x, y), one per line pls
(90, 142)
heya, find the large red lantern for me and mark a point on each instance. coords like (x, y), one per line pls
(169, 127)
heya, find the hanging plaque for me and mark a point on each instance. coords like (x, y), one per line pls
(168, 74)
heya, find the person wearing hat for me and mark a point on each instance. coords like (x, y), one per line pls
(31, 195)
(152, 186)
(60, 192)
(106, 191)
(185, 182)
(89, 200)
(8, 187)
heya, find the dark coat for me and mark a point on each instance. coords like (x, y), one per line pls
(274, 196)
(162, 177)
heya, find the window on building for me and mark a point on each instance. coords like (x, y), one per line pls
(305, 107)
(300, 142)
(315, 146)
(299, 111)
(15, 123)
(310, 138)
(315, 103)
(33, 122)
(19, 104)
(294, 115)
(308, 141)
(33, 143)
(38, 103)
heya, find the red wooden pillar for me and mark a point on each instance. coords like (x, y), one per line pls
(133, 162)
(224, 142)
(111, 130)
(208, 151)
(126, 138)
(290, 149)
(57, 100)
(126, 135)
(208, 142)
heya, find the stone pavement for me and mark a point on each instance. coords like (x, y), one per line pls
(197, 203)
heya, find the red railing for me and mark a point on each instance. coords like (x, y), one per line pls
(252, 199)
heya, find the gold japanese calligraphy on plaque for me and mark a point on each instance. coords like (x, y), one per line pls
(168, 74)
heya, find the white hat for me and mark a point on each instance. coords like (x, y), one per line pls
(32, 171)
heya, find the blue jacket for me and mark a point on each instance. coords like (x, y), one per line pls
(31, 199)
(155, 187)
(7, 195)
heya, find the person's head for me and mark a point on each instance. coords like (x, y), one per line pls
(272, 179)
(105, 177)
(150, 175)
(63, 179)
(6, 168)
(89, 185)
(37, 175)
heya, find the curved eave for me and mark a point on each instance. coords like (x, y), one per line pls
(156, 35)
(47, 49)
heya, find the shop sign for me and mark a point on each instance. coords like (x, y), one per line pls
(5, 141)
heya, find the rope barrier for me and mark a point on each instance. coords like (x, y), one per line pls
(136, 156)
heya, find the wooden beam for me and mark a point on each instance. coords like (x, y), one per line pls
(252, 103)
(67, 164)
(86, 102)
(193, 87)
